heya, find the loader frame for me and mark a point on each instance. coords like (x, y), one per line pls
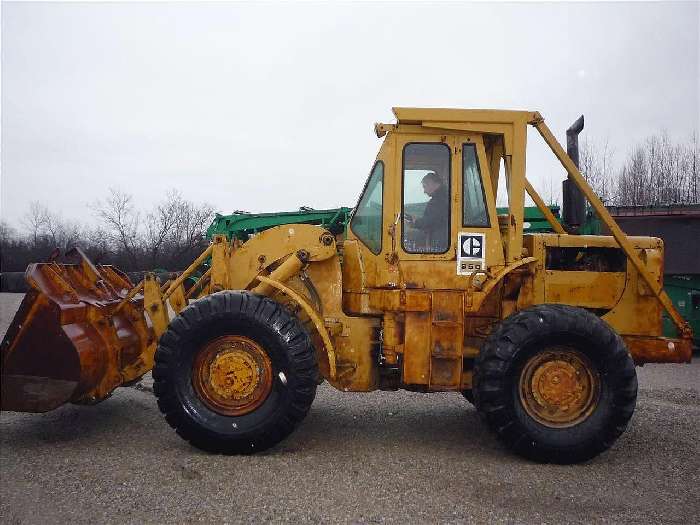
(360, 314)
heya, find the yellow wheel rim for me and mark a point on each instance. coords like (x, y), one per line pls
(232, 375)
(559, 387)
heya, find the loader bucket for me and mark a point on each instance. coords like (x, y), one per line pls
(75, 338)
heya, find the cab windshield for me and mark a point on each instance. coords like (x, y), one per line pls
(366, 222)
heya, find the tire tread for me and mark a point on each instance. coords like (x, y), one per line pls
(269, 315)
(493, 379)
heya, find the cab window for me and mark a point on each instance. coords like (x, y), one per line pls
(426, 198)
(366, 222)
(473, 199)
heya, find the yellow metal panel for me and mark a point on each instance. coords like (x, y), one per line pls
(219, 264)
(353, 268)
(392, 337)
(447, 338)
(418, 115)
(177, 299)
(598, 241)
(272, 245)
(504, 130)
(635, 314)
(356, 350)
(356, 343)
(383, 300)
(584, 289)
(154, 306)
(494, 153)
(417, 301)
(416, 361)
(516, 192)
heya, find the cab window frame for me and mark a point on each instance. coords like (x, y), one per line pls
(481, 183)
(449, 196)
(362, 194)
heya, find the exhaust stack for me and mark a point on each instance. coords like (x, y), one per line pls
(574, 203)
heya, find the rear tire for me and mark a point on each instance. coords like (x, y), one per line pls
(518, 380)
(282, 364)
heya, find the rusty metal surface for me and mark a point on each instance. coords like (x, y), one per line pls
(69, 342)
(232, 375)
(559, 387)
(37, 376)
(659, 349)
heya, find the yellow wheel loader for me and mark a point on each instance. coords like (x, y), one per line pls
(431, 290)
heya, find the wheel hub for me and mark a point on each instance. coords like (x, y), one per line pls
(232, 375)
(559, 387)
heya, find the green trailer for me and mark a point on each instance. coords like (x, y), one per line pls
(534, 220)
(684, 291)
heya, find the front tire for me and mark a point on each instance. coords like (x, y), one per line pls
(235, 373)
(556, 384)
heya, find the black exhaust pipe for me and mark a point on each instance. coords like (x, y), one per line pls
(574, 203)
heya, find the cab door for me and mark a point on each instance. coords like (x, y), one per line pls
(427, 196)
(448, 227)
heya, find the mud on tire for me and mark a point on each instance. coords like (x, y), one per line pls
(284, 341)
(522, 338)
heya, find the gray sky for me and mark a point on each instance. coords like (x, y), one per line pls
(266, 107)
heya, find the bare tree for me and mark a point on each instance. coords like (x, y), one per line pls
(596, 164)
(659, 172)
(97, 244)
(551, 196)
(121, 221)
(7, 232)
(189, 234)
(61, 233)
(35, 220)
(172, 235)
(161, 225)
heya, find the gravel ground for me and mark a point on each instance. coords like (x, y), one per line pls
(394, 457)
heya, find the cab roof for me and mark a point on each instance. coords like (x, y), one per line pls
(495, 116)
